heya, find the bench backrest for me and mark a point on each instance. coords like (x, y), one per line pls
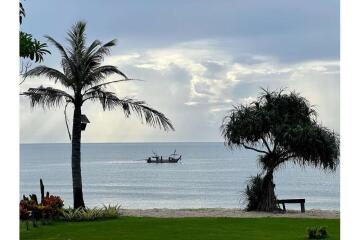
(300, 200)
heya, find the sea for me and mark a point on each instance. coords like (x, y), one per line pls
(210, 175)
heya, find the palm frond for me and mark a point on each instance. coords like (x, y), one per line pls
(67, 63)
(21, 12)
(50, 73)
(102, 51)
(93, 47)
(100, 73)
(94, 54)
(77, 37)
(69, 70)
(47, 97)
(105, 48)
(110, 101)
(103, 85)
(60, 47)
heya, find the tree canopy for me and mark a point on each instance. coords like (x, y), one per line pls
(282, 126)
(29, 46)
(85, 77)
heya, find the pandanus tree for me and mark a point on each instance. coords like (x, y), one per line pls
(83, 80)
(282, 127)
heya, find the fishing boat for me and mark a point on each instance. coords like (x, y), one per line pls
(173, 158)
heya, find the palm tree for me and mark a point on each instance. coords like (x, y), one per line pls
(84, 77)
(281, 127)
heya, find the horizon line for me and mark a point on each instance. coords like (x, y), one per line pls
(122, 142)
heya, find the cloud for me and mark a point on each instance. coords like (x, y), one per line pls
(290, 30)
(197, 60)
(194, 84)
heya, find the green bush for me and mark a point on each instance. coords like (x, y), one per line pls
(91, 214)
(252, 193)
(317, 233)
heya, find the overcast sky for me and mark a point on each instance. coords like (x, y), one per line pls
(198, 58)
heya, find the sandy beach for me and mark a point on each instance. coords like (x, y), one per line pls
(226, 212)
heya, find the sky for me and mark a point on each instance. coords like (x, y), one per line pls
(197, 59)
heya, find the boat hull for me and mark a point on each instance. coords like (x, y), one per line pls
(163, 160)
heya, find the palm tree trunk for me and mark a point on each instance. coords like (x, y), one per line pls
(76, 158)
(268, 198)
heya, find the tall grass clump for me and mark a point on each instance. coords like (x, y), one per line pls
(91, 214)
(317, 233)
(252, 194)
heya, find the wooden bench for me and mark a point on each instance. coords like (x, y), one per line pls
(301, 201)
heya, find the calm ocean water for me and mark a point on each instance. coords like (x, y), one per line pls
(210, 175)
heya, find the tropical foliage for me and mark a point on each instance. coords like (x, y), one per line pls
(253, 192)
(91, 214)
(51, 207)
(282, 127)
(32, 48)
(83, 80)
(29, 46)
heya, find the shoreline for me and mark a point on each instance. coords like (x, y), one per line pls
(227, 212)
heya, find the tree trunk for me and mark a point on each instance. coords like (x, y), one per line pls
(76, 158)
(268, 199)
(42, 190)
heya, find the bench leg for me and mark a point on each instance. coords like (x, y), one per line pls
(302, 207)
(283, 204)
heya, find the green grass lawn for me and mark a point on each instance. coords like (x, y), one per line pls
(130, 228)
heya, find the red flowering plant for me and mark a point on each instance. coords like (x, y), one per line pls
(27, 206)
(50, 207)
(24, 211)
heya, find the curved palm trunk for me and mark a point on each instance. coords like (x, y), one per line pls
(268, 199)
(76, 158)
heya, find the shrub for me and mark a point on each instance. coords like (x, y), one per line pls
(50, 208)
(91, 214)
(323, 232)
(317, 233)
(252, 193)
(24, 211)
(27, 208)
